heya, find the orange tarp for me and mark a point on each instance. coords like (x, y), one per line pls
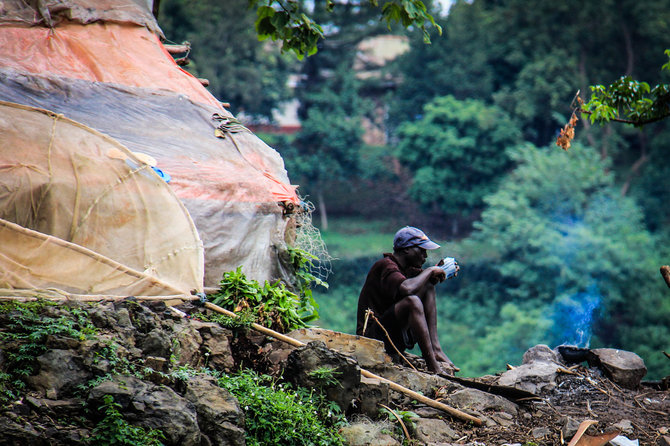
(104, 52)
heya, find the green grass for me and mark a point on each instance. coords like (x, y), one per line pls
(354, 237)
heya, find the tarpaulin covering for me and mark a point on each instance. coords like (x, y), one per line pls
(78, 211)
(119, 80)
(52, 12)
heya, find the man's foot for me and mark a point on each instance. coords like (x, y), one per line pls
(442, 357)
(434, 366)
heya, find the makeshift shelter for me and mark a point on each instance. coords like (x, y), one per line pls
(96, 116)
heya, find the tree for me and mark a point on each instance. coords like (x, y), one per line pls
(326, 148)
(629, 101)
(560, 237)
(285, 20)
(456, 153)
(250, 75)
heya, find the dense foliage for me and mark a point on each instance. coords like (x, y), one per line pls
(24, 339)
(278, 414)
(271, 304)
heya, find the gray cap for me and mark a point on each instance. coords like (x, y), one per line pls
(411, 236)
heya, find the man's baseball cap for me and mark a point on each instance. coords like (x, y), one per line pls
(411, 236)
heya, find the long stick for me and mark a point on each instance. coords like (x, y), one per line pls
(395, 386)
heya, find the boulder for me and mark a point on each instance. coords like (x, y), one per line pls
(433, 430)
(624, 368)
(479, 401)
(153, 407)
(189, 340)
(366, 433)
(19, 432)
(219, 415)
(372, 393)
(60, 373)
(534, 377)
(316, 366)
(539, 352)
(156, 343)
(368, 352)
(217, 349)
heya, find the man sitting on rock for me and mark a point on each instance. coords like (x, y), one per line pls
(402, 296)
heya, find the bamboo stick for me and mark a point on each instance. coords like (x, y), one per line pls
(267, 331)
(393, 385)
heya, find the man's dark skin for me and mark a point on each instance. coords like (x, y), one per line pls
(417, 307)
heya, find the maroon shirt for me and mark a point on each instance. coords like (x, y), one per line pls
(380, 291)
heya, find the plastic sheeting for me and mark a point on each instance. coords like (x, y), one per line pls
(88, 216)
(102, 52)
(53, 12)
(119, 80)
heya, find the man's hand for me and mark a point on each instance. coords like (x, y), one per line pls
(437, 275)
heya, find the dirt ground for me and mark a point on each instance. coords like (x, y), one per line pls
(584, 394)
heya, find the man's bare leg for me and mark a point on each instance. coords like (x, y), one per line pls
(430, 310)
(411, 309)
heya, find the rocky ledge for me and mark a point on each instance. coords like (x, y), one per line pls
(132, 358)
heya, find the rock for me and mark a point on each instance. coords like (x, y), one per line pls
(70, 407)
(343, 385)
(372, 393)
(217, 349)
(624, 368)
(366, 433)
(539, 352)
(60, 373)
(156, 363)
(480, 401)
(570, 426)
(219, 415)
(625, 426)
(123, 318)
(156, 343)
(533, 377)
(540, 432)
(433, 430)
(623, 441)
(368, 352)
(425, 383)
(15, 433)
(153, 407)
(189, 340)
(502, 418)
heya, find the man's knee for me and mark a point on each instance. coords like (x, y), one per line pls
(414, 304)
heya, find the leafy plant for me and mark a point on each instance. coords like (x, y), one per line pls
(271, 305)
(629, 101)
(276, 414)
(115, 430)
(285, 21)
(25, 338)
(325, 376)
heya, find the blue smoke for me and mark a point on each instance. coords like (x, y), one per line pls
(573, 317)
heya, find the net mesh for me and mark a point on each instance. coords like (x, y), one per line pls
(308, 238)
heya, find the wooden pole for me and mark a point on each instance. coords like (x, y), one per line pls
(267, 331)
(393, 385)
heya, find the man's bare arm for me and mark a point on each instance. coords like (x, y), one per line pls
(416, 285)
